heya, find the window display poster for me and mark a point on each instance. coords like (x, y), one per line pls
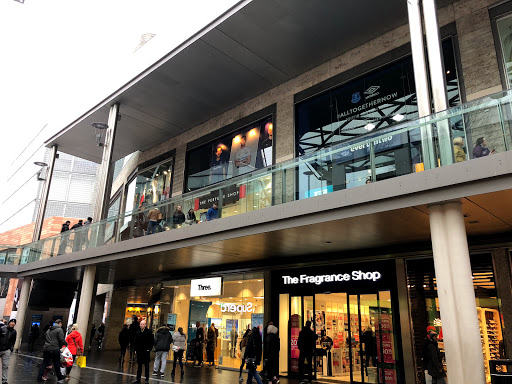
(230, 325)
(294, 348)
(257, 321)
(235, 154)
(390, 376)
(319, 321)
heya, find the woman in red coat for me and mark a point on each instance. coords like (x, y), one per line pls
(75, 345)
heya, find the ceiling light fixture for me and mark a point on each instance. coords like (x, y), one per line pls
(398, 117)
(99, 130)
(369, 126)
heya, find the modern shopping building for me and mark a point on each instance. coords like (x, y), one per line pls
(355, 189)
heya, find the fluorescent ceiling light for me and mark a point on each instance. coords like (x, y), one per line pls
(398, 117)
(369, 126)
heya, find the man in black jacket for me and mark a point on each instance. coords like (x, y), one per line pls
(134, 328)
(198, 348)
(307, 346)
(124, 340)
(143, 345)
(53, 343)
(434, 360)
(64, 238)
(163, 341)
(253, 355)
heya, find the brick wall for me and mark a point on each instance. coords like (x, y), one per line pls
(23, 235)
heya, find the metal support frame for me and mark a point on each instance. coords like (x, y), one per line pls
(38, 227)
(437, 79)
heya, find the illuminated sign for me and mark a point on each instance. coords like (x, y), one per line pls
(337, 277)
(234, 308)
(206, 287)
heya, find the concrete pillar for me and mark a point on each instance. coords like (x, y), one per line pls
(115, 319)
(22, 310)
(84, 306)
(456, 294)
(503, 276)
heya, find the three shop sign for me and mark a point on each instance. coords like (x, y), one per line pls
(206, 287)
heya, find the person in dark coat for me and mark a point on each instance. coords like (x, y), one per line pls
(124, 341)
(198, 348)
(370, 348)
(92, 336)
(101, 335)
(33, 336)
(243, 346)
(53, 342)
(253, 352)
(77, 240)
(271, 347)
(144, 342)
(307, 346)
(163, 342)
(64, 238)
(134, 328)
(434, 360)
(211, 344)
(178, 217)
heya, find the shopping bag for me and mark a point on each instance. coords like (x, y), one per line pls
(80, 361)
(66, 358)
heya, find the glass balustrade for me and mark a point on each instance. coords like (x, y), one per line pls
(463, 133)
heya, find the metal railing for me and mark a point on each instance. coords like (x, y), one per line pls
(408, 147)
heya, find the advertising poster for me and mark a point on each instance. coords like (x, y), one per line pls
(244, 150)
(388, 348)
(257, 321)
(390, 376)
(294, 348)
(319, 321)
(219, 163)
(171, 321)
(230, 325)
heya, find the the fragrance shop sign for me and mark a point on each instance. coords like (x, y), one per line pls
(332, 278)
(211, 286)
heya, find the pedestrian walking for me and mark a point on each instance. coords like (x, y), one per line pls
(53, 343)
(307, 345)
(64, 238)
(243, 347)
(198, 348)
(134, 328)
(179, 340)
(33, 336)
(93, 335)
(124, 341)
(85, 232)
(435, 360)
(6, 344)
(253, 356)
(271, 353)
(163, 340)
(101, 335)
(144, 342)
(77, 239)
(75, 345)
(211, 344)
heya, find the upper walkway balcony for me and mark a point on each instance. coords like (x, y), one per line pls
(371, 191)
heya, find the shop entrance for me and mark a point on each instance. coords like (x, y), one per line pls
(356, 339)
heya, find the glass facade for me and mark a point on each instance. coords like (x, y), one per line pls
(505, 35)
(239, 307)
(370, 103)
(235, 154)
(424, 307)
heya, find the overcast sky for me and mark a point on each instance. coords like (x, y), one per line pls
(60, 57)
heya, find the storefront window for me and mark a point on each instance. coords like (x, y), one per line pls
(238, 153)
(368, 104)
(425, 312)
(239, 307)
(152, 185)
(505, 34)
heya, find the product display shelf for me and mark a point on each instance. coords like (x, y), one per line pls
(490, 332)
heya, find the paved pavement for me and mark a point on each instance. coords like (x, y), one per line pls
(104, 368)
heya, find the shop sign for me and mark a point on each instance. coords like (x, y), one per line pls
(206, 287)
(230, 195)
(339, 277)
(380, 144)
(234, 308)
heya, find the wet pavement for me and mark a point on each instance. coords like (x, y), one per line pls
(103, 368)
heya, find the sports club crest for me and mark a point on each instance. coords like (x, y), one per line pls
(356, 97)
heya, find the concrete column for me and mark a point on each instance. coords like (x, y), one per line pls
(115, 319)
(38, 227)
(456, 294)
(22, 310)
(503, 276)
(84, 306)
